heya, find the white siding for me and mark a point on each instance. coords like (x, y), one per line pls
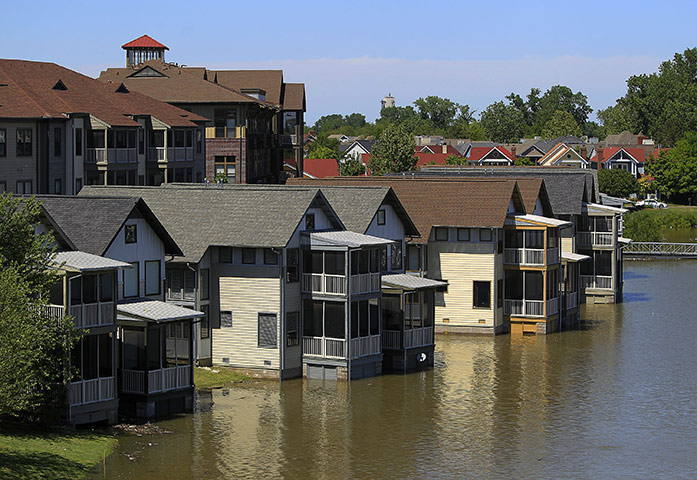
(147, 247)
(392, 229)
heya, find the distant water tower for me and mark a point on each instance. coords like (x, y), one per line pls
(387, 101)
(143, 49)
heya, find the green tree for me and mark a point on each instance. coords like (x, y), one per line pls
(320, 151)
(356, 120)
(675, 171)
(440, 111)
(393, 152)
(560, 97)
(617, 182)
(560, 124)
(503, 123)
(350, 167)
(523, 161)
(455, 160)
(616, 119)
(324, 147)
(34, 345)
(641, 226)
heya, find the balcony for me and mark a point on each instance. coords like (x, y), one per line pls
(415, 337)
(571, 300)
(365, 283)
(93, 314)
(160, 380)
(92, 391)
(324, 284)
(363, 346)
(596, 239)
(335, 348)
(111, 155)
(524, 256)
(552, 306)
(597, 282)
(524, 308)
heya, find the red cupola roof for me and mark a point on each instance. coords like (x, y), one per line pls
(144, 42)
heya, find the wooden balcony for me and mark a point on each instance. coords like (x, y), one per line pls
(596, 239)
(597, 282)
(335, 348)
(415, 337)
(524, 308)
(363, 346)
(324, 284)
(524, 256)
(160, 380)
(92, 391)
(365, 283)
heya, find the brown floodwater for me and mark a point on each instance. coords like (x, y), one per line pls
(615, 399)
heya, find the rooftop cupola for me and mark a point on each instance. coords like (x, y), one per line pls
(143, 49)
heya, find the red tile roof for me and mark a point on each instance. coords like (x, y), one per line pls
(639, 154)
(316, 167)
(144, 42)
(477, 153)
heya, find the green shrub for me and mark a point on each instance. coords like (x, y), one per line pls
(642, 226)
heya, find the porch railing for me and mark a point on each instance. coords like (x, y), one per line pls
(524, 256)
(324, 283)
(93, 314)
(552, 256)
(418, 337)
(365, 283)
(158, 154)
(596, 281)
(524, 308)
(180, 153)
(161, 380)
(92, 391)
(596, 239)
(571, 300)
(53, 311)
(111, 155)
(552, 306)
(363, 346)
(392, 339)
(324, 347)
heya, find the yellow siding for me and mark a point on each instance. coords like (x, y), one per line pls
(246, 297)
(567, 245)
(460, 266)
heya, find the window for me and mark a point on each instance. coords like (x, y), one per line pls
(413, 258)
(131, 233)
(24, 148)
(130, 281)
(226, 319)
(152, 277)
(106, 287)
(266, 330)
(57, 186)
(57, 142)
(310, 221)
(441, 234)
(499, 292)
(205, 324)
(484, 235)
(3, 142)
(249, 256)
(270, 257)
(482, 294)
(23, 187)
(225, 254)
(225, 167)
(381, 217)
(463, 234)
(78, 142)
(396, 256)
(292, 273)
(292, 322)
(205, 282)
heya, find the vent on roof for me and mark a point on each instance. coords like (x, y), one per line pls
(122, 89)
(60, 85)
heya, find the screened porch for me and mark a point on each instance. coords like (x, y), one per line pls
(530, 294)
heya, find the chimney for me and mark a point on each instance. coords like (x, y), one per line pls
(584, 152)
(600, 159)
(513, 152)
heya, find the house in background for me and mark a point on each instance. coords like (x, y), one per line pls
(357, 148)
(485, 156)
(625, 158)
(564, 155)
(60, 130)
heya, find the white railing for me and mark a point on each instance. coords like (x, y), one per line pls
(552, 306)
(391, 339)
(133, 381)
(365, 283)
(363, 346)
(525, 308)
(158, 153)
(597, 239)
(53, 311)
(571, 300)
(93, 314)
(91, 391)
(596, 281)
(324, 283)
(552, 256)
(324, 347)
(417, 337)
(95, 155)
(524, 256)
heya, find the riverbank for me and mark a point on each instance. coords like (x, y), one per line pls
(35, 453)
(672, 224)
(205, 377)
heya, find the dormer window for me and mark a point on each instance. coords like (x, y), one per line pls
(381, 217)
(131, 233)
(310, 221)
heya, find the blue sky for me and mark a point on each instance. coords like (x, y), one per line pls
(350, 54)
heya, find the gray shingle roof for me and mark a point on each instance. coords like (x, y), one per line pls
(85, 262)
(155, 310)
(411, 282)
(197, 216)
(90, 224)
(346, 238)
(356, 206)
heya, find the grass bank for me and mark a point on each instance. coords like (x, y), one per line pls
(651, 224)
(30, 453)
(217, 377)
